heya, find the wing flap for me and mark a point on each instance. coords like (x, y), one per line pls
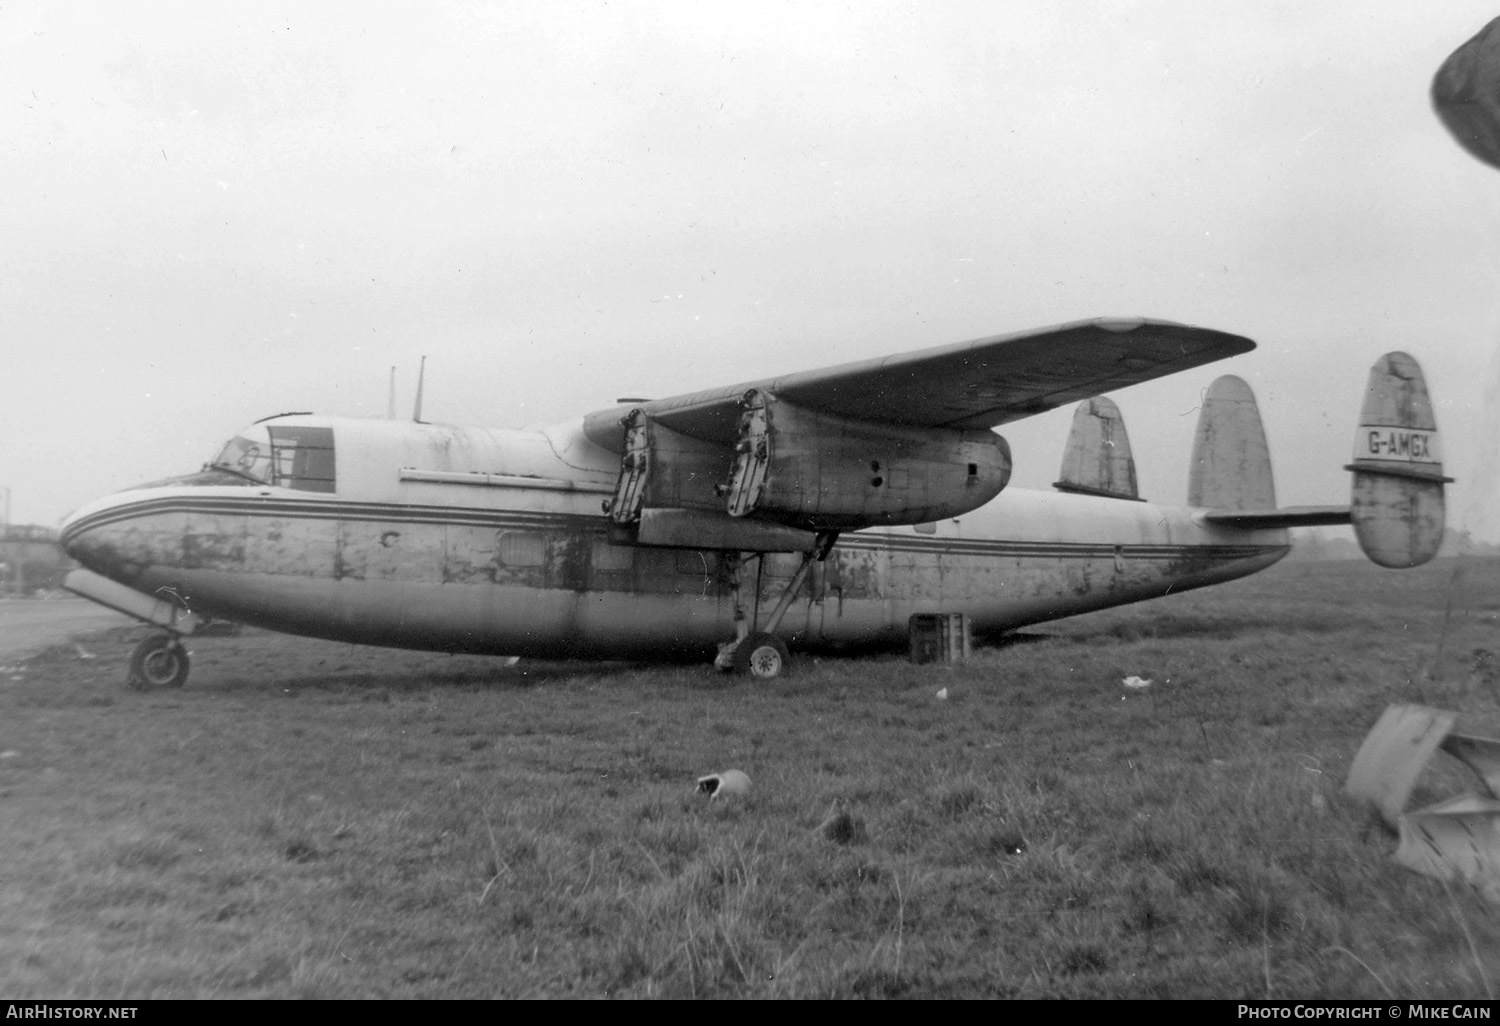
(982, 383)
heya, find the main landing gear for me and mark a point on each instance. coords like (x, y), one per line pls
(757, 652)
(159, 661)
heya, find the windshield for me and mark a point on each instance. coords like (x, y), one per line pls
(288, 455)
(247, 458)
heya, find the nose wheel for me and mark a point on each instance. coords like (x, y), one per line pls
(159, 661)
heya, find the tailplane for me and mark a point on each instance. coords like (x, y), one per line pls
(1397, 506)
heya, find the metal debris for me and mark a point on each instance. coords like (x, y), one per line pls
(1466, 94)
(1454, 839)
(722, 785)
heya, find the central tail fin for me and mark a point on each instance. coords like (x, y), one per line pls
(1231, 462)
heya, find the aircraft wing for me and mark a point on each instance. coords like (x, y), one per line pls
(978, 384)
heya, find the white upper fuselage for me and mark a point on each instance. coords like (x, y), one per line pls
(477, 539)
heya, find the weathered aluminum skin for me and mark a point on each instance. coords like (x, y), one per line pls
(1397, 503)
(518, 560)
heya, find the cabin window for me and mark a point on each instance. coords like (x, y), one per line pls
(522, 548)
(612, 557)
(302, 457)
(924, 528)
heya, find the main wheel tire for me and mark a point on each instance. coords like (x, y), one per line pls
(159, 661)
(762, 656)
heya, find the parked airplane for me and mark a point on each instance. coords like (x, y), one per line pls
(822, 508)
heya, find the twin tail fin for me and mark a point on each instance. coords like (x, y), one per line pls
(1397, 504)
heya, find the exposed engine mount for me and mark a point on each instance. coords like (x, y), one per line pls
(808, 470)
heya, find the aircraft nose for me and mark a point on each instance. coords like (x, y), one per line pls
(77, 540)
(68, 535)
(91, 534)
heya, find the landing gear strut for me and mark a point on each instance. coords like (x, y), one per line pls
(760, 653)
(159, 661)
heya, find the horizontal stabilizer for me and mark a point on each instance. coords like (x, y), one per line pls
(1397, 502)
(1231, 467)
(1291, 516)
(1097, 460)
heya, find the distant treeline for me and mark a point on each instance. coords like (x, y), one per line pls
(1315, 544)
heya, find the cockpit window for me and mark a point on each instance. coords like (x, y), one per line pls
(302, 457)
(290, 456)
(246, 457)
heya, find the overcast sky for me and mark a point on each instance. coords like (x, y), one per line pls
(216, 212)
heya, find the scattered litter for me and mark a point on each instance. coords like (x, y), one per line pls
(9, 753)
(83, 653)
(942, 694)
(1458, 838)
(840, 826)
(724, 784)
(1137, 683)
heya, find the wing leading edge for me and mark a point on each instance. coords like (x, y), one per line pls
(982, 383)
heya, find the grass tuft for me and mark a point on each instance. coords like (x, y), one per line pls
(417, 826)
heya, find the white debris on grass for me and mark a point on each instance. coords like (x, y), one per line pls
(722, 785)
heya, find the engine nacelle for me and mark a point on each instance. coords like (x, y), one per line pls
(662, 468)
(821, 472)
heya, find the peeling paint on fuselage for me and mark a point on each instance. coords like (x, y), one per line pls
(531, 570)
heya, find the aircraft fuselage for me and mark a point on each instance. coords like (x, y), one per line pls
(490, 541)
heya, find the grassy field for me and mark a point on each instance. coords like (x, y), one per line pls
(314, 820)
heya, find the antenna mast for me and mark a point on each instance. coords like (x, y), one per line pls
(416, 413)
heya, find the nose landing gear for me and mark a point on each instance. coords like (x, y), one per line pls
(159, 661)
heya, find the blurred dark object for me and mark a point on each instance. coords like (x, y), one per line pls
(1466, 94)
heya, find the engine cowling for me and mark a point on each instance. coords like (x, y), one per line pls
(822, 472)
(665, 469)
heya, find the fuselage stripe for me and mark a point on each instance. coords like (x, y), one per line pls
(500, 519)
